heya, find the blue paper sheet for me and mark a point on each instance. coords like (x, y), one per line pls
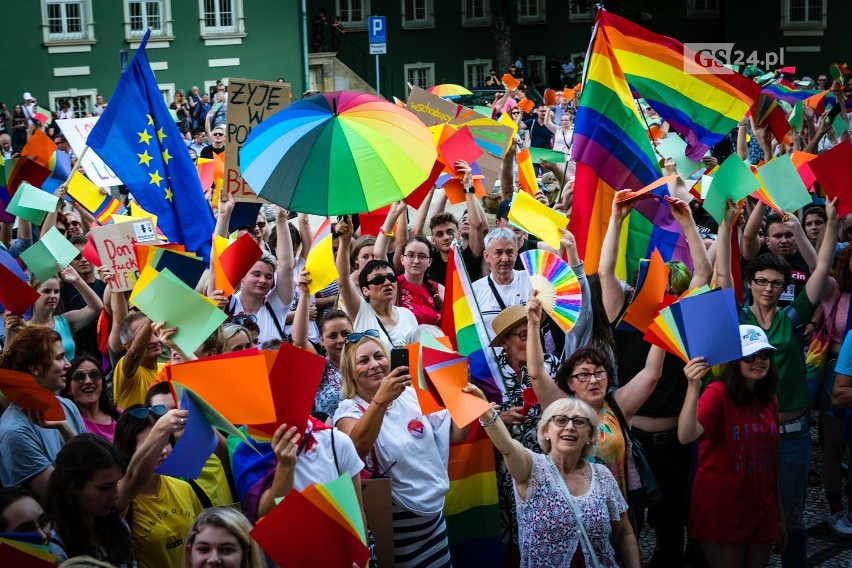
(710, 326)
(194, 447)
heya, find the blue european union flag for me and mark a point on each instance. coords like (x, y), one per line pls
(138, 139)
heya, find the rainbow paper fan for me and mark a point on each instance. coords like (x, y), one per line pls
(556, 284)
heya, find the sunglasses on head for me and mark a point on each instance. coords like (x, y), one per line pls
(80, 376)
(357, 336)
(142, 413)
(380, 279)
(764, 354)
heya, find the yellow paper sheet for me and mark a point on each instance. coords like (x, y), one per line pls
(538, 219)
(320, 264)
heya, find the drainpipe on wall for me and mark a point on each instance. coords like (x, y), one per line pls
(305, 70)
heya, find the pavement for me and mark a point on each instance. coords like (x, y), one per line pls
(825, 549)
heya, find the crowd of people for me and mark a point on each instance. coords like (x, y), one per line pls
(729, 447)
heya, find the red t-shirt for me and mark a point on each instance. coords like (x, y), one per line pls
(735, 493)
(417, 299)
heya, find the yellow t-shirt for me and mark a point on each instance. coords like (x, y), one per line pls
(160, 524)
(214, 482)
(132, 390)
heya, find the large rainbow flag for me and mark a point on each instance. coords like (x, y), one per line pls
(611, 146)
(471, 508)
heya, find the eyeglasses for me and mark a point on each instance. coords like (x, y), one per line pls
(217, 134)
(522, 335)
(414, 256)
(244, 319)
(75, 223)
(380, 279)
(764, 354)
(562, 421)
(585, 377)
(359, 335)
(260, 224)
(763, 283)
(515, 112)
(142, 413)
(44, 525)
(80, 376)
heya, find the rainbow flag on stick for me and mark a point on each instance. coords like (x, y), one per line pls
(102, 207)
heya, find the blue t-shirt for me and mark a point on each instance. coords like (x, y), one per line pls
(844, 360)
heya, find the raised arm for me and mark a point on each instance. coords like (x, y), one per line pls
(702, 269)
(223, 214)
(613, 297)
(285, 445)
(305, 235)
(803, 243)
(301, 317)
(78, 319)
(751, 240)
(633, 395)
(133, 358)
(478, 224)
(724, 278)
(816, 284)
(383, 239)
(689, 428)
(543, 386)
(284, 252)
(422, 214)
(349, 294)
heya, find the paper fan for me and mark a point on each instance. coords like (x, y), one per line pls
(556, 284)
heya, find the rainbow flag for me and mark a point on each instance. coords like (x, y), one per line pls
(611, 146)
(471, 507)
(87, 194)
(790, 95)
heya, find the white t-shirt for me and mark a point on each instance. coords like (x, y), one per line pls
(367, 319)
(268, 329)
(418, 447)
(516, 292)
(317, 464)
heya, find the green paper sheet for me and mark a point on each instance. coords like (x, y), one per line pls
(733, 179)
(671, 326)
(783, 183)
(673, 147)
(168, 299)
(537, 154)
(32, 204)
(426, 340)
(796, 119)
(50, 249)
(341, 494)
(839, 125)
(213, 417)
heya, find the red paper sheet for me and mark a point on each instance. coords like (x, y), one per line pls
(831, 169)
(416, 197)
(371, 223)
(459, 146)
(15, 294)
(90, 252)
(239, 257)
(16, 557)
(27, 170)
(23, 390)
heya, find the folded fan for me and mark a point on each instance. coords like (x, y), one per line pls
(556, 285)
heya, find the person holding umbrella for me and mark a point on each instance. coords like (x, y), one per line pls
(374, 308)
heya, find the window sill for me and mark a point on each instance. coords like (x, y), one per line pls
(480, 23)
(154, 42)
(66, 42)
(222, 35)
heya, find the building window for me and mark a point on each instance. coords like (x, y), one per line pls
(420, 74)
(531, 11)
(167, 90)
(582, 12)
(698, 9)
(139, 15)
(803, 14)
(67, 21)
(418, 14)
(221, 18)
(535, 71)
(81, 100)
(476, 72)
(476, 13)
(353, 13)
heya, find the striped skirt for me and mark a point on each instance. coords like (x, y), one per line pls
(418, 541)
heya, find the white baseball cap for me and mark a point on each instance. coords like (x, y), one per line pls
(753, 339)
(27, 97)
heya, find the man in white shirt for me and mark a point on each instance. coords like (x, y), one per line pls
(505, 286)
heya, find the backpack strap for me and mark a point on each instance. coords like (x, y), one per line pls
(275, 320)
(622, 422)
(206, 503)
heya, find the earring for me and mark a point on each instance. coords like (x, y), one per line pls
(547, 439)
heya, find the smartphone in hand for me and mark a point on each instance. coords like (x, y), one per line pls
(398, 358)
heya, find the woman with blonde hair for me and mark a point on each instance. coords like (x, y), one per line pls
(220, 536)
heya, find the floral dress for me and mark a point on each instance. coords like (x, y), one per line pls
(328, 395)
(548, 531)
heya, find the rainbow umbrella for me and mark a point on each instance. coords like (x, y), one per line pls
(337, 154)
(449, 90)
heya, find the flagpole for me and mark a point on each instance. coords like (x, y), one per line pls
(76, 166)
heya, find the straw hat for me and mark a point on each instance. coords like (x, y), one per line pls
(506, 321)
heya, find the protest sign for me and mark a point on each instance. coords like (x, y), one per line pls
(114, 244)
(250, 102)
(76, 130)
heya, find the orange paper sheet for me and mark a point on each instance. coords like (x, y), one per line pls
(645, 305)
(550, 97)
(526, 105)
(510, 82)
(454, 189)
(449, 379)
(645, 192)
(314, 495)
(23, 390)
(428, 405)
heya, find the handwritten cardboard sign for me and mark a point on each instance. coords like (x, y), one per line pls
(115, 248)
(76, 131)
(250, 102)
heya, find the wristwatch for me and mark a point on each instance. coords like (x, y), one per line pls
(470, 189)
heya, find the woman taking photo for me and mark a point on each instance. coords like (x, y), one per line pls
(220, 537)
(181, 108)
(381, 414)
(334, 327)
(734, 510)
(374, 307)
(417, 291)
(567, 506)
(25, 435)
(159, 538)
(85, 387)
(90, 487)
(45, 308)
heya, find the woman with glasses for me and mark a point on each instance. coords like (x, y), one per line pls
(417, 291)
(734, 510)
(28, 443)
(568, 507)
(84, 385)
(374, 307)
(381, 414)
(161, 514)
(767, 276)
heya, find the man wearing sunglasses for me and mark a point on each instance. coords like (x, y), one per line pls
(217, 143)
